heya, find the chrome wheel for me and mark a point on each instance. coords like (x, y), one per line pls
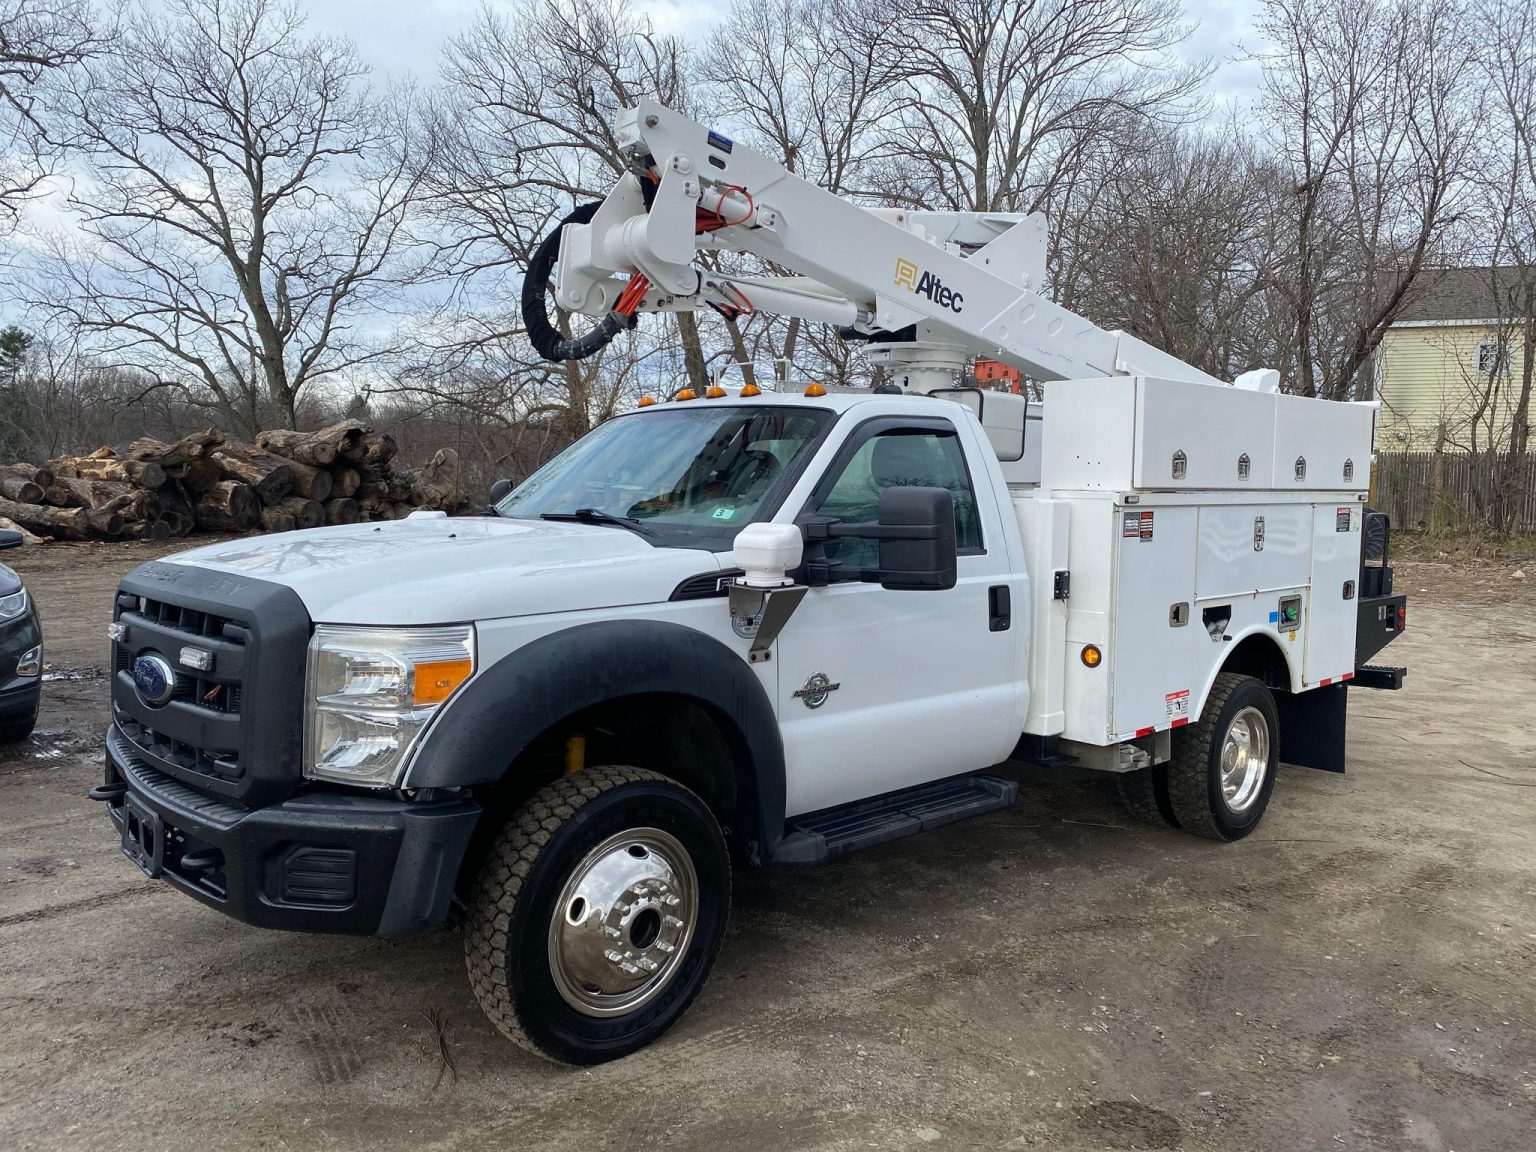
(623, 922)
(1244, 759)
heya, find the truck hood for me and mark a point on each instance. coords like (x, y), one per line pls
(436, 570)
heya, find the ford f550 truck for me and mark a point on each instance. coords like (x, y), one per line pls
(753, 627)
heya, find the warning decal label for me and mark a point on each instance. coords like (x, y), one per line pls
(1341, 520)
(1176, 705)
(1136, 526)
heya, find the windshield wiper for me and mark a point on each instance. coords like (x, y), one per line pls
(595, 516)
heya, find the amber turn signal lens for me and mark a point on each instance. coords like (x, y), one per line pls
(646, 401)
(686, 394)
(437, 679)
(815, 390)
(1092, 657)
(714, 392)
(751, 390)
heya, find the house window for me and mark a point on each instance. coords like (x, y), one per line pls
(1489, 356)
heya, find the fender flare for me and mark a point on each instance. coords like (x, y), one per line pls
(1237, 641)
(503, 709)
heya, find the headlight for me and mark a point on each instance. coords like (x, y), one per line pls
(13, 605)
(370, 693)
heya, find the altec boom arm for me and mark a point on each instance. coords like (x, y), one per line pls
(966, 283)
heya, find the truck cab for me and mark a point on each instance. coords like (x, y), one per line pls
(727, 631)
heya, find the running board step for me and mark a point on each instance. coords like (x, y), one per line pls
(827, 835)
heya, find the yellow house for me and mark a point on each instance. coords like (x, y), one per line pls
(1448, 371)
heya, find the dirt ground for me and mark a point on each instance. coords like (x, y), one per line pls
(1359, 974)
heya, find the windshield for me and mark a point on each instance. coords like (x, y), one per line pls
(690, 476)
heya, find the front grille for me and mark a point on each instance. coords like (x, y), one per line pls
(232, 729)
(171, 734)
(223, 763)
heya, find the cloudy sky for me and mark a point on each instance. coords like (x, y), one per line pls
(404, 35)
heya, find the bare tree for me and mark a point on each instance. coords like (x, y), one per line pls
(38, 39)
(246, 204)
(1001, 99)
(1370, 111)
(1177, 247)
(526, 123)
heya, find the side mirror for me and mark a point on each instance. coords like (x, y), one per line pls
(916, 531)
(925, 559)
(9, 539)
(499, 491)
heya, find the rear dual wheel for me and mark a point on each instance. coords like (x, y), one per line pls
(598, 914)
(1221, 775)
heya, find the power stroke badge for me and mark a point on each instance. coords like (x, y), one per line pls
(818, 686)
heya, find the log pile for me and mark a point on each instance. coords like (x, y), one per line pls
(211, 482)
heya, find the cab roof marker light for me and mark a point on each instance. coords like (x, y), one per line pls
(751, 390)
(714, 392)
(686, 394)
(646, 402)
(815, 390)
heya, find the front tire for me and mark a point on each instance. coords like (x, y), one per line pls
(1222, 772)
(598, 914)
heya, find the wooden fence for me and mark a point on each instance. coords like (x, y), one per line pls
(1441, 490)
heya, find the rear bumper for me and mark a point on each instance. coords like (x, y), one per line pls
(20, 703)
(318, 862)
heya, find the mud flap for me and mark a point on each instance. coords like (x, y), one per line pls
(1312, 727)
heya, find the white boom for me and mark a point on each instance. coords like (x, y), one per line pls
(967, 283)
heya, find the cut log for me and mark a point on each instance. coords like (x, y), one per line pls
(348, 437)
(269, 477)
(145, 473)
(104, 521)
(400, 511)
(436, 483)
(42, 477)
(346, 481)
(200, 475)
(276, 520)
(151, 530)
(341, 510)
(58, 496)
(305, 513)
(21, 491)
(379, 449)
(128, 500)
(179, 523)
(193, 447)
(228, 506)
(304, 447)
(312, 483)
(69, 523)
(26, 537)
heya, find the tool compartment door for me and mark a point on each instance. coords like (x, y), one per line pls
(1157, 645)
(1330, 642)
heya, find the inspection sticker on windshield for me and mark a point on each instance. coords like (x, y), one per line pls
(1176, 706)
(723, 514)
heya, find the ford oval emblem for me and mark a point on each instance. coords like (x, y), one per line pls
(154, 679)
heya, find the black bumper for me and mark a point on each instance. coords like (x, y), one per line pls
(318, 862)
(20, 703)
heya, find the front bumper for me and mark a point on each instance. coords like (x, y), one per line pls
(20, 703)
(318, 862)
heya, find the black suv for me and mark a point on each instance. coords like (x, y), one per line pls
(21, 652)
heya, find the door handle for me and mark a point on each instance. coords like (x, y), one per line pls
(999, 608)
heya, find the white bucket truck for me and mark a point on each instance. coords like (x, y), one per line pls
(753, 627)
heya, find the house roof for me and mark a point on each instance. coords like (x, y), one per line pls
(1463, 294)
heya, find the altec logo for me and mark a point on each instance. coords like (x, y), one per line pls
(927, 284)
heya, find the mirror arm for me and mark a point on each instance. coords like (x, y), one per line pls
(820, 529)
